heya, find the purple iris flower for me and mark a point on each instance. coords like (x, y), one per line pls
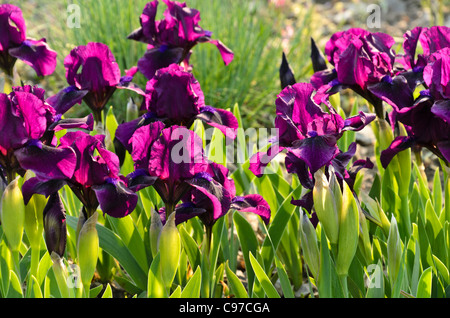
(175, 97)
(307, 130)
(28, 124)
(171, 39)
(168, 159)
(427, 117)
(360, 58)
(14, 44)
(95, 177)
(217, 196)
(309, 134)
(93, 75)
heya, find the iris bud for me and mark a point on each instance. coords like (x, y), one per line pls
(308, 240)
(132, 110)
(154, 232)
(87, 249)
(348, 231)
(34, 219)
(394, 250)
(325, 206)
(13, 214)
(170, 250)
(55, 231)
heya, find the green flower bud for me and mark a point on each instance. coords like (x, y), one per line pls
(170, 250)
(12, 214)
(325, 206)
(348, 231)
(132, 110)
(155, 231)
(394, 250)
(88, 249)
(61, 275)
(309, 243)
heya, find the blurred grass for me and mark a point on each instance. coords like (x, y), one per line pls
(252, 29)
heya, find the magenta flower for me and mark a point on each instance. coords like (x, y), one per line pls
(95, 177)
(28, 124)
(217, 196)
(171, 39)
(14, 44)
(93, 75)
(175, 97)
(306, 129)
(168, 159)
(360, 58)
(427, 117)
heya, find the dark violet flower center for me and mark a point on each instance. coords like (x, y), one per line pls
(163, 48)
(418, 69)
(204, 175)
(126, 79)
(35, 143)
(334, 82)
(112, 181)
(69, 89)
(425, 92)
(149, 115)
(137, 173)
(312, 134)
(209, 109)
(387, 79)
(238, 199)
(27, 43)
(57, 117)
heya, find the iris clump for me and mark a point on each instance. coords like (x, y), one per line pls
(166, 219)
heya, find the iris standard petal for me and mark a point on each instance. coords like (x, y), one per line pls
(253, 203)
(222, 119)
(114, 198)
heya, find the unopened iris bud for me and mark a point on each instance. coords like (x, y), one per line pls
(132, 110)
(348, 231)
(308, 240)
(394, 250)
(170, 250)
(154, 232)
(13, 214)
(55, 231)
(87, 250)
(325, 206)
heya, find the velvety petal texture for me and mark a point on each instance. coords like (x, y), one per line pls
(14, 44)
(171, 39)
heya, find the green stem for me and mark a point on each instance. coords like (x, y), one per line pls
(16, 260)
(343, 281)
(86, 290)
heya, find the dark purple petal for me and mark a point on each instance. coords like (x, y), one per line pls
(441, 109)
(253, 203)
(358, 122)
(13, 27)
(318, 60)
(298, 166)
(411, 39)
(444, 148)
(341, 161)
(140, 179)
(55, 231)
(209, 198)
(66, 98)
(225, 52)
(158, 58)
(353, 171)
(177, 154)
(400, 143)
(47, 162)
(316, 152)
(186, 211)
(395, 91)
(92, 67)
(115, 198)
(437, 74)
(147, 31)
(175, 95)
(434, 39)
(38, 55)
(37, 186)
(306, 202)
(222, 119)
(260, 160)
(142, 142)
(71, 123)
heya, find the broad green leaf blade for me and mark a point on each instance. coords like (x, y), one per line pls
(176, 293)
(425, 284)
(284, 280)
(155, 284)
(236, 286)
(191, 247)
(15, 289)
(192, 289)
(264, 280)
(325, 279)
(35, 290)
(249, 244)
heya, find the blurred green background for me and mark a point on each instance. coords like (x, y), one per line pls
(258, 31)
